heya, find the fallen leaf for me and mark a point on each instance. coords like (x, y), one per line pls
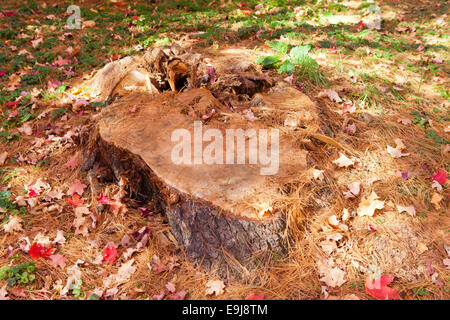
(436, 185)
(346, 214)
(110, 253)
(353, 190)
(77, 187)
(59, 239)
(37, 251)
(26, 129)
(437, 60)
(123, 274)
(446, 262)
(368, 206)
(421, 247)
(103, 199)
(72, 163)
(88, 24)
(37, 42)
(379, 290)
(399, 144)
(343, 161)
(435, 199)
(178, 296)
(3, 157)
(440, 176)
(331, 94)
(3, 293)
(14, 224)
(404, 121)
(351, 129)
(405, 175)
(333, 277)
(395, 152)
(332, 220)
(348, 107)
(57, 260)
(75, 200)
(215, 287)
(410, 210)
(318, 174)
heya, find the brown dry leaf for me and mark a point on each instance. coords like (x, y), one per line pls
(36, 42)
(410, 210)
(3, 293)
(446, 263)
(353, 190)
(58, 260)
(3, 157)
(395, 152)
(333, 277)
(123, 274)
(399, 144)
(26, 129)
(421, 247)
(435, 199)
(343, 161)
(59, 239)
(345, 214)
(318, 174)
(88, 24)
(331, 94)
(14, 224)
(333, 221)
(404, 121)
(214, 287)
(368, 206)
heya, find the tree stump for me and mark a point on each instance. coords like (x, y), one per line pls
(221, 214)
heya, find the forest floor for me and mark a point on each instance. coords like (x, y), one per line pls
(384, 88)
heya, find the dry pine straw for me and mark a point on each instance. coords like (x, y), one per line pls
(308, 203)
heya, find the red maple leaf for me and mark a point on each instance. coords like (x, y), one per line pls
(38, 251)
(103, 199)
(10, 14)
(32, 193)
(440, 176)
(379, 290)
(110, 253)
(75, 200)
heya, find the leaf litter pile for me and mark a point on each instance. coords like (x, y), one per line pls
(368, 219)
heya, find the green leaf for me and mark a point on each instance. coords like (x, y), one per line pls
(268, 61)
(286, 67)
(297, 53)
(281, 47)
